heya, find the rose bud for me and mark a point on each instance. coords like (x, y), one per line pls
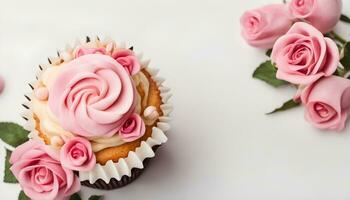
(76, 154)
(263, 26)
(133, 128)
(327, 103)
(128, 60)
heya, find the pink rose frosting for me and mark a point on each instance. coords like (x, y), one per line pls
(133, 128)
(128, 60)
(38, 169)
(322, 14)
(76, 154)
(304, 55)
(327, 102)
(80, 51)
(263, 26)
(92, 96)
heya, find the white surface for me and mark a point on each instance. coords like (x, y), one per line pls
(221, 144)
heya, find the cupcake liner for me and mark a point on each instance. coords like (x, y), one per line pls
(111, 175)
(125, 180)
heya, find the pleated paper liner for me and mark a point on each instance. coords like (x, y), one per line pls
(125, 180)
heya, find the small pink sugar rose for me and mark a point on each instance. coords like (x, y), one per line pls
(76, 154)
(322, 14)
(38, 169)
(327, 103)
(128, 60)
(80, 51)
(133, 128)
(304, 55)
(263, 26)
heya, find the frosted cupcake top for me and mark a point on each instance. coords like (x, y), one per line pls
(93, 96)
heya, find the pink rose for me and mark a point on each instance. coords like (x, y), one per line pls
(80, 51)
(76, 154)
(327, 102)
(304, 55)
(322, 14)
(133, 128)
(263, 26)
(38, 169)
(93, 96)
(128, 60)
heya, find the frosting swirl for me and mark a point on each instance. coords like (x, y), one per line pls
(93, 96)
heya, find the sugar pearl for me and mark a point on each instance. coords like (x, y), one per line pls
(151, 112)
(42, 93)
(57, 141)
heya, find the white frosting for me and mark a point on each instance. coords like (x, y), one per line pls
(101, 143)
(141, 78)
(48, 123)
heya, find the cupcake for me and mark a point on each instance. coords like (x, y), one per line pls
(102, 109)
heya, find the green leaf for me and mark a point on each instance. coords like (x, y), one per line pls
(267, 72)
(345, 61)
(75, 196)
(8, 175)
(286, 106)
(344, 18)
(340, 72)
(96, 197)
(22, 196)
(13, 134)
(268, 52)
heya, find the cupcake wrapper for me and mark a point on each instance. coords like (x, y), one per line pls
(125, 180)
(111, 175)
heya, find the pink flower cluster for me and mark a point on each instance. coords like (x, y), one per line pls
(124, 57)
(304, 56)
(261, 27)
(39, 170)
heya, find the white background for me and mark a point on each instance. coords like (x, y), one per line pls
(221, 144)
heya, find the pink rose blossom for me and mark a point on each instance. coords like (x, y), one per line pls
(128, 60)
(80, 51)
(327, 103)
(263, 26)
(304, 55)
(133, 128)
(38, 169)
(322, 14)
(76, 154)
